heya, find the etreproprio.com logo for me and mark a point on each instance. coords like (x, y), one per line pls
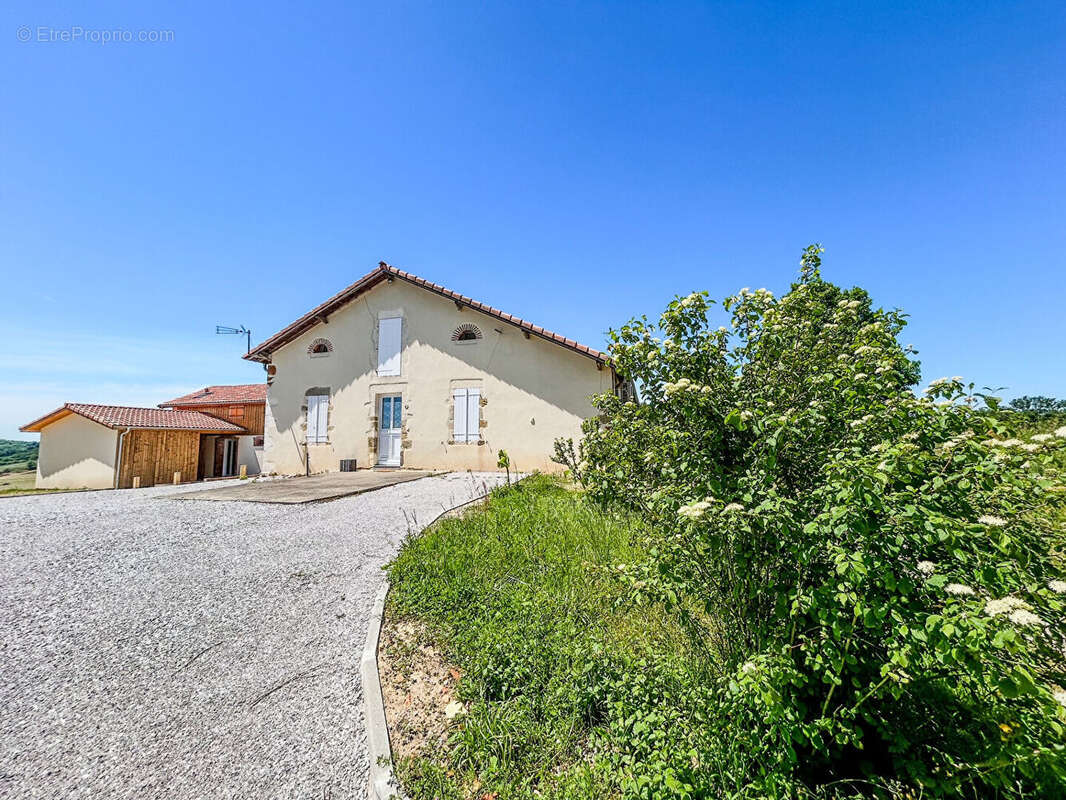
(76, 33)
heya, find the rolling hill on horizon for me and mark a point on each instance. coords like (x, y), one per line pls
(17, 456)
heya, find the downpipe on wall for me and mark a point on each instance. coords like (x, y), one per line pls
(118, 461)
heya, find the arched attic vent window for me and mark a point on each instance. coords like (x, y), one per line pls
(319, 348)
(467, 332)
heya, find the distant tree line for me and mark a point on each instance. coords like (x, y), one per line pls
(1037, 404)
(17, 456)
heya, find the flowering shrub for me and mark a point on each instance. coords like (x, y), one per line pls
(876, 575)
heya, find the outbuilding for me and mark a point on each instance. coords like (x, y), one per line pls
(85, 446)
(242, 404)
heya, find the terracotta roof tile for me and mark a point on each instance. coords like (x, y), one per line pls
(221, 395)
(262, 351)
(131, 417)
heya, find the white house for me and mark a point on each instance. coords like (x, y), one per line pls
(397, 371)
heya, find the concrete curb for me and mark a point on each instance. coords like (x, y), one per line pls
(382, 783)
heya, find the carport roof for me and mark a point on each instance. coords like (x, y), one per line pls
(134, 417)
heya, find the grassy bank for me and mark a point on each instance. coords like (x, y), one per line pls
(17, 482)
(576, 687)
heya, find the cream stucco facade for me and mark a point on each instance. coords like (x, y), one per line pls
(531, 390)
(77, 453)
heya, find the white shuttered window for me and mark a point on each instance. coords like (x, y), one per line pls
(466, 420)
(390, 330)
(317, 418)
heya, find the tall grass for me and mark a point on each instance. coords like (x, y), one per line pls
(571, 686)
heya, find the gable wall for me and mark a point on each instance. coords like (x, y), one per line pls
(76, 453)
(248, 415)
(533, 391)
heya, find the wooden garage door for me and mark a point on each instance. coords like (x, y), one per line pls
(154, 457)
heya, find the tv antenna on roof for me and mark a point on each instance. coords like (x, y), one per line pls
(242, 329)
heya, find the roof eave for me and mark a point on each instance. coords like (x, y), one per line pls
(510, 319)
(262, 352)
(238, 432)
(39, 424)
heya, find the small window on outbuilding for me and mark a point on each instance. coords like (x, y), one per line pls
(319, 348)
(467, 332)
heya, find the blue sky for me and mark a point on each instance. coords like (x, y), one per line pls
(575, 164)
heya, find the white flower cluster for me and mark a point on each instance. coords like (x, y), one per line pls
(732, 507)
(695, 510)
(959, 589)
(1043, 437)
(1060, 696)
(955, 441)
(1059, 587)
(939, 382)
(1004, 442)
(926, 567)
(849, 304)
(746, 292)
(989, 519)
(1023, 617)
(1061, 432)
(690, 300)
(1017, 611)
(684, 385)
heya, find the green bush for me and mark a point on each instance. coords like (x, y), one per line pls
(876, 575)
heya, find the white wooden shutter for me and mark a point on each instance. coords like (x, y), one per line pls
(389, 333)
(473, 415)
(459, 415)
(323, 418)
(312, 418)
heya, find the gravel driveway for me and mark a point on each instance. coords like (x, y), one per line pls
(166, 648)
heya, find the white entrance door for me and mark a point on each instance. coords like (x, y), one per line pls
(229, 457)
(389, 436)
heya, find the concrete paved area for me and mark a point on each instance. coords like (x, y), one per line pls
(310, 489)
(162, 650)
